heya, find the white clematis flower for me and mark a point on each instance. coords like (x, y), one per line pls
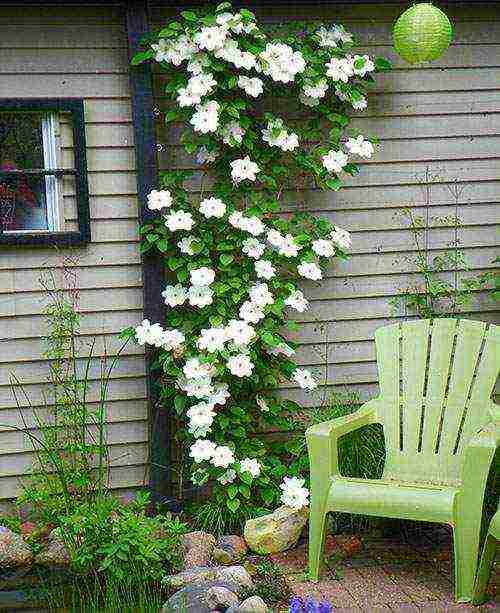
(240, 365)
(265, 269)
(251, 466)
(212, 339)
(309, 270)
(158, 200)
(174, 295)
(240, 332)
(305, 379)
(186, 245)
(244, 168)
(260, 295)
(334, 161)
(212, 207)
(251, 86)
(253, 248)
(206, 117)
(340, 69)
(223, 456)
(323, 248)
(200, 296)
(210, 37)
(296, 300)
(250, 312)
(360, 146)
(294, 494)
(179, 220)
(202, 276)
(341, 238)
(202, 450)
(194, 369)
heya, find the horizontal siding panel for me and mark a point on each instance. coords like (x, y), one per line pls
(89, 300)
(120, 410)
(53, 61)
(118, 389)
(120, 432)
(101, 134)
(103, 322)
(92, 255)
(104, 158)
(19, 464)
(63, 36)
(66, 85)
(105, 207)
(108, 110)
(119, 477)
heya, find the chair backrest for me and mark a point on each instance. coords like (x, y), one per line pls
(436, 380)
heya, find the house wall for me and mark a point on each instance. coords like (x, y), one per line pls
(440, 138)
(78, 52)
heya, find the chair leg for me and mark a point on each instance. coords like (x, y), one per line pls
(317, 522)
(466, 549)
(484, 571)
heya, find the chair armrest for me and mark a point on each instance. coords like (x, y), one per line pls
(322, 439)
(477, 459)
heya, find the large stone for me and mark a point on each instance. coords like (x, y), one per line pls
(197, 549)
(275, 532)
(14, 551)
(234, 575)
(229, 549)
(220, 597)
(193, 598)
(254, 604)
(55, 552)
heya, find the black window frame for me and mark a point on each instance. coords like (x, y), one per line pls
(75, 108)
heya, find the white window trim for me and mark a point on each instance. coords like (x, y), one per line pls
(49, 132)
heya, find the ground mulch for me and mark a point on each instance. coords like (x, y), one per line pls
(410, 572)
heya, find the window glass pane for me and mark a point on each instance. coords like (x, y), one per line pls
(28, 201)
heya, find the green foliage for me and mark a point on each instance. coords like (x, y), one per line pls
(444, 287)
(270, 583)
(215, 516)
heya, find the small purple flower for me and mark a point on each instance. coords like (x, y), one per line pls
(295, 604)
(325, 607)
(310, 606)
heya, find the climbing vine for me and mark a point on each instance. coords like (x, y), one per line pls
(235, 260)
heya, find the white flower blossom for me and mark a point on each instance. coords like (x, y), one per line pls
(362, 64)
(149, 334)
(185, 97)
(206, 117)
(198, 63)
(289, 247)
(250, 465)
(309, 270)
(172, 339)
(202, 276)
(334, 161)
(276, 135)
(240, 365)
(158, 200)
(340, 69)
(174, 52)
(360, 146)
(260, 295)
(232, 134)
(228, 477)
(199, 388)
(202, 83)
(296, 300)
(294, 494)
(212, 339)
(304, 378)
(186, 245)
(212, 207)
(281, 62)
(220, 395)
(330, 37)
(174, 295)
(240, 332)
(252, 86)
(210, 37)
(235, 219)
(317, 90)
(201, 417)
(360, 105)
(200, 296)
(204, 156)
(341, 238)
(244, 168)
(179, 220)
(202, 450)
(262, 404)
(253, 248)
(253, 225)
(307, 100)
(323, 248)
(222, 457)
(265, 269)
(194, 369)
(250, 312)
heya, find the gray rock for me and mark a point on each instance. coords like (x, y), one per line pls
(197, 549)
(254, 604)
(277, 531)
(192, 598)
(14, 551)
(229, 549)
(55, 552)
(220, 597)
(235, 575)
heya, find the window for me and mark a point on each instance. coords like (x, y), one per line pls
(43, 176)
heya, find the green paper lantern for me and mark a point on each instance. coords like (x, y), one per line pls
(422, 33)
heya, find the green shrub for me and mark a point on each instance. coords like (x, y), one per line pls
(270, 583)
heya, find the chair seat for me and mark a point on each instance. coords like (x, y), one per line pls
(494, 529)
(378, 497)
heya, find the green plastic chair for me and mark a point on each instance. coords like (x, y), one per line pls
(441, 431)
(487, 557)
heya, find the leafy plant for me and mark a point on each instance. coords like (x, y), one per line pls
(232, 258)
(270, 583)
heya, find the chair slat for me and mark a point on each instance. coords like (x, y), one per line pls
(415, 350)
(470, 336)
(387, 342)
(480, 398)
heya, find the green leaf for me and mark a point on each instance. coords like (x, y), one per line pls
(180, 402)
(162, 245)
(244, 490)
(171, 116)
(174, 263)
(226, 259)
(246, 477)
(189, 16)
(141, 57)
(233, 504)
(382, 64)
(232, 491)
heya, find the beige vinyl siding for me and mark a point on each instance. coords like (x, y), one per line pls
(440, 121)
(79, 52)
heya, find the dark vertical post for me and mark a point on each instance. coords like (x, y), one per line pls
(153, 268)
